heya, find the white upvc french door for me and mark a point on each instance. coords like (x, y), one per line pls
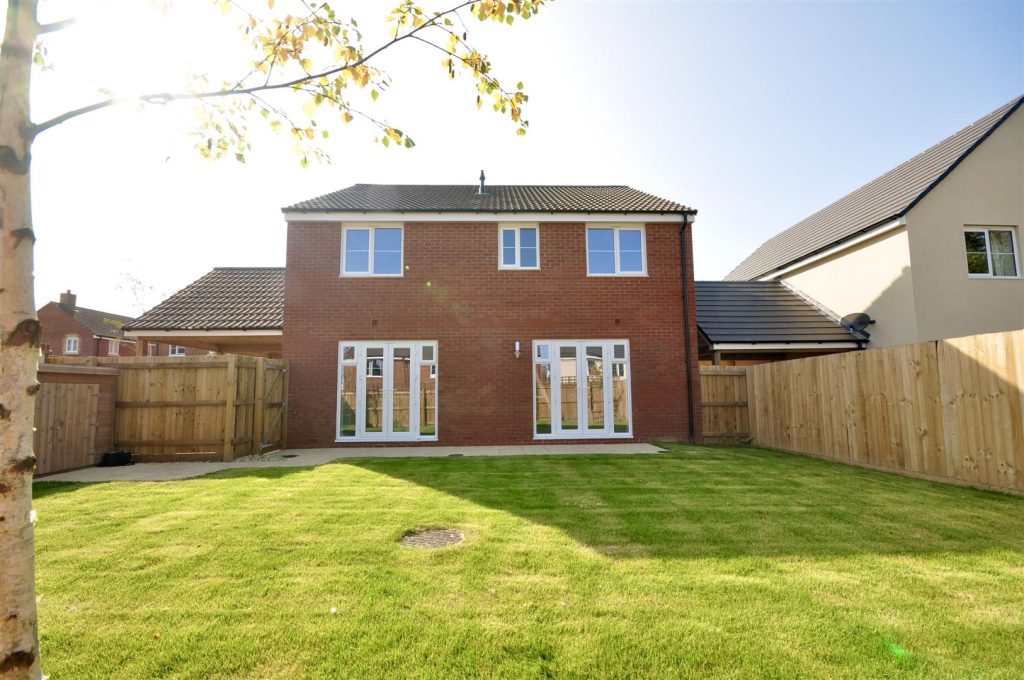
(387, 391)
(581, 389)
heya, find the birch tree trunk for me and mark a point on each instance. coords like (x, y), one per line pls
(19, 351)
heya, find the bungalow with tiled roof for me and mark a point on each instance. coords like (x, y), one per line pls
(236, 310)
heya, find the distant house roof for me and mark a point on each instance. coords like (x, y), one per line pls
(886, 198)
(228, 298)
(501, 198)
(763, 312)
(103, 324)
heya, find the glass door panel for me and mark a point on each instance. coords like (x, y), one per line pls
(595, 390)
(428, 400)
(569, 388)
(400, 394)
(349, 404)
(374, 393)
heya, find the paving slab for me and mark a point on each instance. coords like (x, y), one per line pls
(161, 472)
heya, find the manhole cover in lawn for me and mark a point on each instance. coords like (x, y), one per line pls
(431, 538)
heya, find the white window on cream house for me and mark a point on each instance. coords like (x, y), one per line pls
(991, 252)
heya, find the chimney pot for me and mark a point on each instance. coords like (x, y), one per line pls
(68, 300)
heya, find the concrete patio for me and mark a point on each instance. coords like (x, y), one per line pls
(161, 472)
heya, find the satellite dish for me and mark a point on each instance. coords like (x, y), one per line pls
(857, 322)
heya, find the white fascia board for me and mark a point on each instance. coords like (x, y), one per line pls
(202, 334)
(777, 346)
(838, 248)
(533, 217)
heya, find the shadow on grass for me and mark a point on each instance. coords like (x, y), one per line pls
(697, 502)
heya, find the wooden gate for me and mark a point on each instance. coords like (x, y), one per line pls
(724, 407)
(274, 391)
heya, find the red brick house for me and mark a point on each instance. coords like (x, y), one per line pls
(70, 330)
(490, 315)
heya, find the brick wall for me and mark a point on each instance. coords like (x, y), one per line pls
(454, 293)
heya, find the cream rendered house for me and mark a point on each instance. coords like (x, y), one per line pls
(929, 250)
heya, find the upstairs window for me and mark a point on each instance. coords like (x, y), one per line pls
(371, 251)
(176, 351)
(113, 348)
(991, 252)
(71, 344)
(616, 251)
(518, 248)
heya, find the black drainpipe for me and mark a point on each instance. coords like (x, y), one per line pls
(686, 330)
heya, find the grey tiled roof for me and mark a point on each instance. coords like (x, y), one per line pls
(763, 312)
(228, 298)
(500, 198)
(888, 197)
(103, 324)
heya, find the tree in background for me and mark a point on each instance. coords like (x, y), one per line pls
(305, 49)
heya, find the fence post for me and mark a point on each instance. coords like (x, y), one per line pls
(231, 387)
(259, 404)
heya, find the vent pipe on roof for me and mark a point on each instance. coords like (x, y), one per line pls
(483, 187)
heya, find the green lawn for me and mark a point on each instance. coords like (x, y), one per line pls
(702, 563)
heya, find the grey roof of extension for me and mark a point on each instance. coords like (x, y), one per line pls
(498, 199)
(763, 312)
(228, 298)
(888, 197)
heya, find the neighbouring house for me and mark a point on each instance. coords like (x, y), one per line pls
(70, 330)
(753, 322)
(489, 315)
(237, 310)
(929, 250)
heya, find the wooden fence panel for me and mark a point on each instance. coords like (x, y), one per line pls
(950, 410)
(724, 406)
(217, 407)
(74, 416)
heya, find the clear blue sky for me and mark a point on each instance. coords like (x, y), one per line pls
(757, 114)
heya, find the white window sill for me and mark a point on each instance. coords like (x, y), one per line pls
(990, 277)
(600, 435)
(619, 276)
(518, 269)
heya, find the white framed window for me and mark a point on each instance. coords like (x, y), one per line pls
(175, 351)
(616, 251)
(387, 391)
(71, 344)
(372, 251)
(518, 247)
(113, 348)
(991, 252)
(581, 389)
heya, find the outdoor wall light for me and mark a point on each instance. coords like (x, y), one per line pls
(517, 349)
